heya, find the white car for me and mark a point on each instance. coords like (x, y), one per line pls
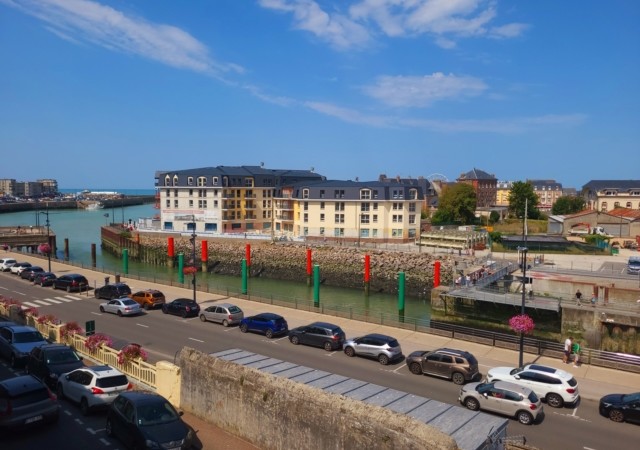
(17, 268)
(556, 386)
(93, 387)
(6, 263)
(121, 306)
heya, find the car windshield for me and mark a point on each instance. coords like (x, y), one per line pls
(484, 387)
(517, 370)
(27, 336)
(234, 310)
(156, 414)
(62, 357)
(572, 382)
(533, 398)
(631, 397)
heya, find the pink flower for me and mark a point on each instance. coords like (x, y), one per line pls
(131, 352)
(522, 323)
(95, 341)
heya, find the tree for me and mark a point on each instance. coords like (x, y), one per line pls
(494, 217)
(457, 204)
(520, 194)
(568, 204)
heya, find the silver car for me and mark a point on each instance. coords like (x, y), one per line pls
(224, 313)
(383, 348)
(121, 306)
(504, 398)
(92, 387)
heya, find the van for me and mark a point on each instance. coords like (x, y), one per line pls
(633, 266)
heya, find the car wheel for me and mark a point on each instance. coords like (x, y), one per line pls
(147, 306)
(119, 313)
(269, 334)
(616, 415)
(457, 378)
(164, 310)
(471, 403)
(555, 401)
(60, 391)
(203, 318)
(415, 368)
(108, 428)
(84, 407)
(244, 328)
(525, 418)
(328, 347)
(295, 340)
(183, 314)
(225, 323)
(101, 309)
(14, 361)
(383, 359)
(349, 351)
(96, 294)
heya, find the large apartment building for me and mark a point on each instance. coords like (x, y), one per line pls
(606, 195)
(484, 184)
(548, 192)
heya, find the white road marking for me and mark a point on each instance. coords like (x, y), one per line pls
(67, 412)
(73, 297)
(53, 301)
(19, 293)
(104, 441)
(33, 305)
(140, 325)
(4, 288)
(42, 302)
(95, 313)
(197, 340)
(403, 365)
(79, 421)
(91, 430)
(64, 299)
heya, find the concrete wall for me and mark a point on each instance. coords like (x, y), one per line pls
(277, 413)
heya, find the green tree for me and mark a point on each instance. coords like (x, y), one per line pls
(457, 204)
(494, 217)
(521, 193)
(568, 204)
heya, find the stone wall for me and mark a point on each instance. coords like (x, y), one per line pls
(277, 413)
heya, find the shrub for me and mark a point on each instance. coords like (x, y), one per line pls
(95, 341)
(70, 329)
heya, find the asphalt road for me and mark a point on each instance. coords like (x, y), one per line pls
(163, 336)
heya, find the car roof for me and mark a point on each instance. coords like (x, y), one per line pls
(513, 387)
(139, 397)
(18, 385)
(380, 336)
(324, 325)
(55, 347)
(102, 371)
(269, 316)
(548, 370)
(224, 305)
(20, 328)
(72, 275)
(453, 351)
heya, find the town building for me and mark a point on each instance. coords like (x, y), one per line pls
(548, 191)
(503, 188)
(605, 195)
(484, 184)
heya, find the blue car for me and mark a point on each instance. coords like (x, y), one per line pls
(16, 341)
(268, 324)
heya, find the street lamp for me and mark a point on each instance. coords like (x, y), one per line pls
(48, 236)
(524, 250)
(193, 243)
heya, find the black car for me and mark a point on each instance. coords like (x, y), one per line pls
(30, 272)
(44, 278)
(318, 334)
(48, 362)
(182, 307)
(147, 420)
(621, 407)
(111, 291)
(71, 282)
(26, 402)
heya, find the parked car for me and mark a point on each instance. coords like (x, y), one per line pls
(385, 349)
(48, 362)
(16, 342)
(621, 407)
(555, 386)
(44, 278)
(93, 387)
(147, 420)
(318, 334)
(26, 402)
(224, 313)
(111, 291)
(458, 366)
(28, 273)
(182, 307)
(19, 267)
(121, 306)
(268, 324)
(71, 282)
(6, 263)
(149, 298)
(504, 398)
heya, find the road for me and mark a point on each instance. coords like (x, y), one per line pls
(163, 336)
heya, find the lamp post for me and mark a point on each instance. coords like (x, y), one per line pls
(48, 236)
(193, 243)
(524, 250)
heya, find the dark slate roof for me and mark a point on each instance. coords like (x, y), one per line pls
(623, 185)
(352, 189)
(551, 184)
(536, 239)
(477, 174)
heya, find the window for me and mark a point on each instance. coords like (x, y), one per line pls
(339, 206)
(375, 193)
(338, 232)
(397, 206)
(168, 203)
(397, 218)
(306, 206)
(175, 192)
(413, 194)
(396, 232)
(321, 205)
(175, 180)
(322, 193)
(412, 233)
(214, 181)
(322, 217)
(202, 181)
(365, 194)
(412, 207)
(167, 180)
(306, 217)
(397, 194)
(338, 193)
(629, 205)
(305, 193)
(374, 232)
(364, 218)
(339, 218)
(321, 231)
(375, 206)
(202, 204)
(412, 219)
(305, 231)
(365, 206)
(190, 192)
(364, 232)
(248, 182)
(168, 193)
(190, 181)
(175, 203)
(190, 203)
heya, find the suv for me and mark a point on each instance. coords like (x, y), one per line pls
(48, 362)
(93, 387)
(267, 323)
(71, 282)
(384, 348)
(111, 291)
(30, 272)
(556, 386)
(502, 397)
(183, 307)
(25, 402)
(6, 263)
(18, 267)
(149, 298)
(456, 365)
(16, 342)
(318, 334)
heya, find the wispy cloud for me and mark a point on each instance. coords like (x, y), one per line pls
(443, 20)
(349, 115)
(403, 91)
(88, 21)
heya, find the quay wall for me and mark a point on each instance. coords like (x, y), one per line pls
(73, 204)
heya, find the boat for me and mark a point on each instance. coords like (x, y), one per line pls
(94, 206)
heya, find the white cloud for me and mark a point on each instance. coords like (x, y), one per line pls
(88, 21)
(403, 91)
(348, 115)
(508, 31)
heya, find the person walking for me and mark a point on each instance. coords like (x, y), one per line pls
(575, 349)
(579, 297)
(568, 346)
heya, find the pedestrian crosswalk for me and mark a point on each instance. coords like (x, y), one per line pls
(50, 301)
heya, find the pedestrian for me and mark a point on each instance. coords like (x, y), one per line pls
(579, 297)
(568, 345)
(576, 354)
(594, 300)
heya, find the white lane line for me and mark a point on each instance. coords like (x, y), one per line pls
(403, 365)
(4, 288)
(197, 340)
(91, 430)
(79, 421)
(33, 305)
(73, 297)
(104, 441)
(53, 301)
(19, 293)
(64, 299)
(68, 413)
(95, 313)
(41, 302)
(140, 325)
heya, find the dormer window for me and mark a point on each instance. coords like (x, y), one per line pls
(175, 180)
(190, 181)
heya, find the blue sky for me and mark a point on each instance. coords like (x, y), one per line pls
(103, 94)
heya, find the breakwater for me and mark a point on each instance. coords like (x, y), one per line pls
(74, 204)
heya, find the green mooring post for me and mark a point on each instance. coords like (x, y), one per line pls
(401, 296)
(316, 285)
(181, 268)
(244, 276)
(125, 261)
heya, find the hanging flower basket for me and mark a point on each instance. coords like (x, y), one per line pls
(131, 352)
(189, 270)
(69, 330)
(44, 249)
(48, 318)
(522, 323)
(96, 341)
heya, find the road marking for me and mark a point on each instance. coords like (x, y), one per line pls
(4, 288)
(91, 430)
(67, 412)
(140, 325)
(79, 421)
(104, 441)
(73, 297)
(64, 299)
(197, 340)
(403, 365)
(33, 305)
(19, 293)
(42, 302)
(53, 301)
(97, 314)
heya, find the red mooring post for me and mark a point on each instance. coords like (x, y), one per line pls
(247, 254)
(309, 270)
(204, 257)
(170, 251)
(367, 273)
(436, 274)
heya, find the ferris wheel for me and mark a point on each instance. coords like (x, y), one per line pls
(437, 177)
